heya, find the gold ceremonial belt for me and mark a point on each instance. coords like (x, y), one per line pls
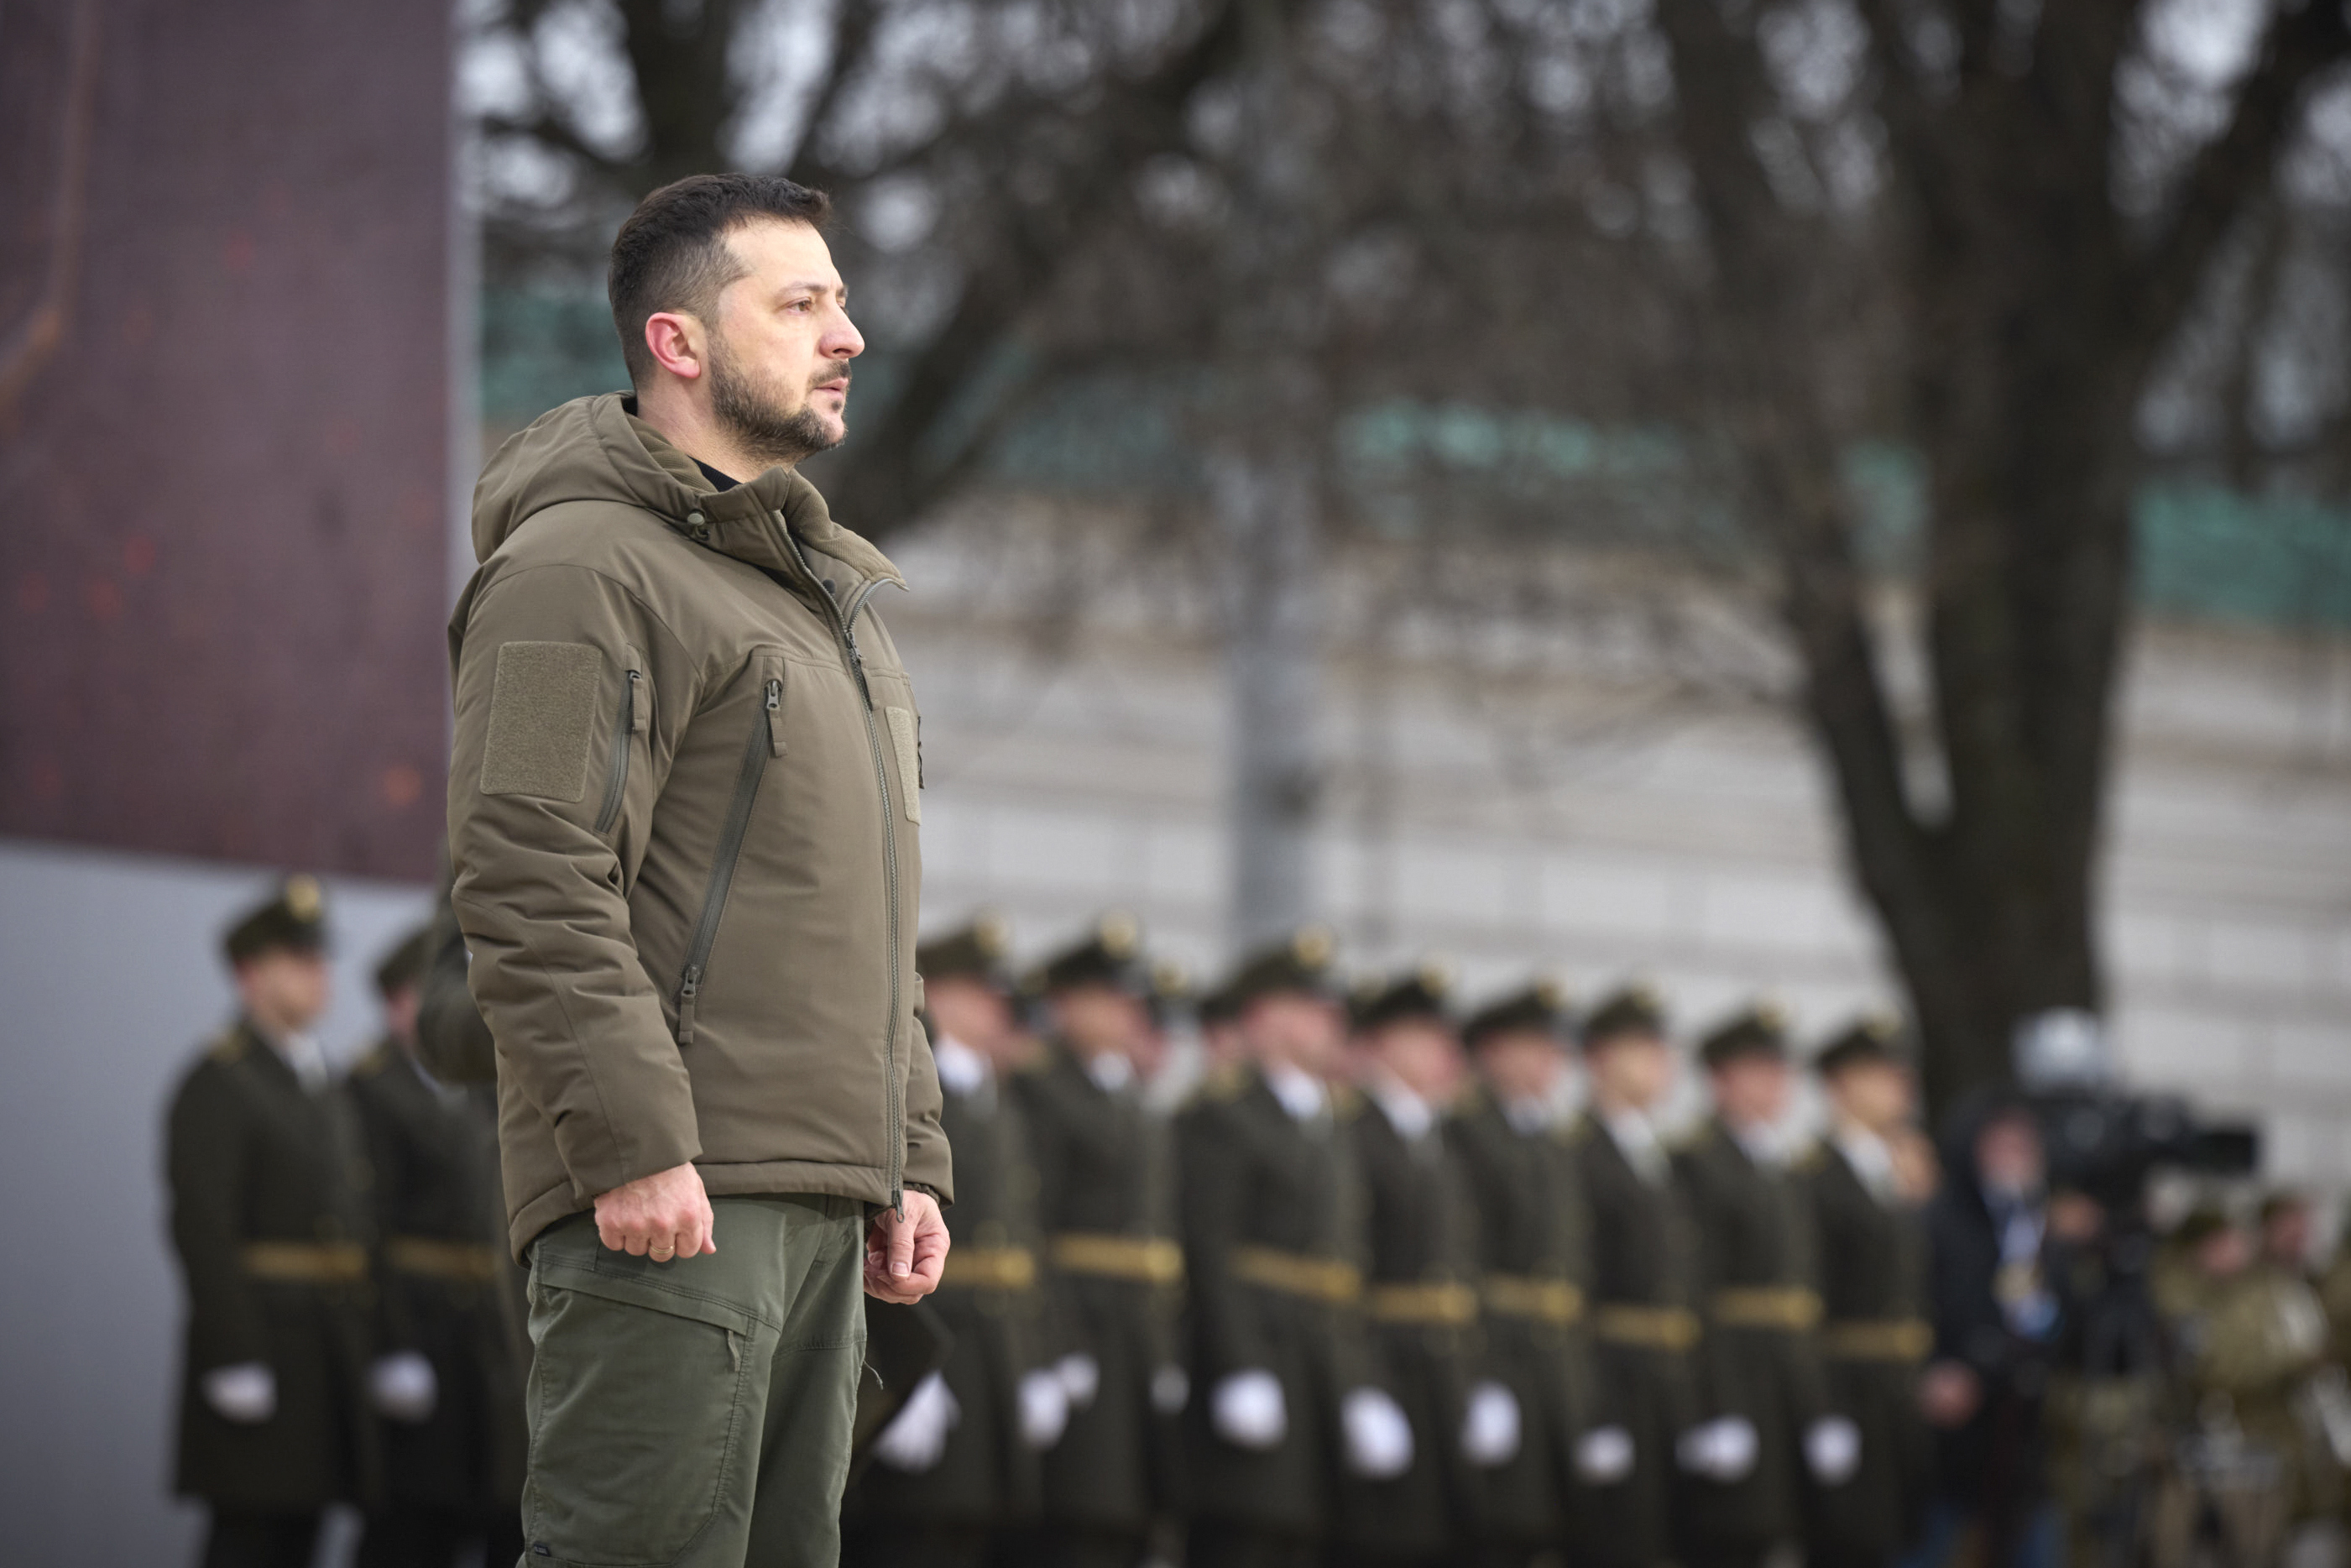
(1878, 1339)
(1437, 1304)
(1650, 1328)
(990, 1268)
(1298, 1274)
(465, 1262)
(1523, 1296)
(1146, 1259)
(1789, 1307)
(306, 1262)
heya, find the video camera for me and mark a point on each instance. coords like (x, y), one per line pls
(2102, 1141)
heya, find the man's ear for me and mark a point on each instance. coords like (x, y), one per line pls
(676, 341)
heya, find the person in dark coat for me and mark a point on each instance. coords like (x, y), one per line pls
(1532, 1262)
(272, 1235)
(955, 1481)
(1106, 1203)
(1761, 1405)
(453, 1432)
(1998, 1315)
(1420, 1288)
(1869, 1226)
(1644, 1330)
(1272, 1205)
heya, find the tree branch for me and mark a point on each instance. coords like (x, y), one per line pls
(2232, 168)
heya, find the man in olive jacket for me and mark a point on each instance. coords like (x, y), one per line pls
(682, 800)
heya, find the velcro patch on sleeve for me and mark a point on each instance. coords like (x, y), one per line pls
(910, 761)
(542, 720)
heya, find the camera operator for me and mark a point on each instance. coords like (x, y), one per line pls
(1996, 1240)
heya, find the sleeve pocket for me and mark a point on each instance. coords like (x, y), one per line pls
(542, 720)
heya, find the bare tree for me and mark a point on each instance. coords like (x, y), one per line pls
(2042, 249)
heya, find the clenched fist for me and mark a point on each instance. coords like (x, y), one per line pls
(663, 1216)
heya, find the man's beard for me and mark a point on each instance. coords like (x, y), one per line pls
(752, 411)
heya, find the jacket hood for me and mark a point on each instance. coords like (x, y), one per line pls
(596, 449)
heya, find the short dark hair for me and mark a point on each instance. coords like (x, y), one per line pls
(672, 255)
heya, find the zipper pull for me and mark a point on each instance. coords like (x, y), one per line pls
(685, 994)
(857, 663)
(774, 696)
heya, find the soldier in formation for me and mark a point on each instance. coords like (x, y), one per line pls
(955, 1479)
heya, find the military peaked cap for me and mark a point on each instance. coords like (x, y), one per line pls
(1301, 963)
(405, 964)
(1636, 1009)
(1760, 1029)
(293, 921)
(1874, 1038)
(1111, 955)
(1424, 992)
(1541, 1009)
(976, 951)
(1171, 990)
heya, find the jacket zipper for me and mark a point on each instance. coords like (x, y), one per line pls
(730, 850)
(616, 780)
(844, 626)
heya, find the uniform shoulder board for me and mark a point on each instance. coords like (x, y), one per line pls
(228, 1047)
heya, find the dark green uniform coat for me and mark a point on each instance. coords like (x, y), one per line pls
(1640, 1273)
(1874, 1334)
(1106, 1168)
(1531, 1246)
(1254, 1177)
(988, 1478)
(1422, 1237)
(433, 1152)
(1754, 1258)
(252, 1156)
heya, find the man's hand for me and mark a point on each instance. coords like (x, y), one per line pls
(905, 1255)
(663, 1216)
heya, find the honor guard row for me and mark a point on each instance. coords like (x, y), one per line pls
(353, 1333)
(1372, 1295)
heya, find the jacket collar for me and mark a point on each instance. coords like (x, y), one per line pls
(748, 522)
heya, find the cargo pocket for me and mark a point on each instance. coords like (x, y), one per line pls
(640, 1404)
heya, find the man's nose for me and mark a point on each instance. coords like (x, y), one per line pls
(844, 342)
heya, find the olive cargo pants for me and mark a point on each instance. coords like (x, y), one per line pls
(696, 1412)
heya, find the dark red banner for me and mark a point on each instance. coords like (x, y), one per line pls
(223, 427)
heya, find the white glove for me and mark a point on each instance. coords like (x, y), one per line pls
(245, 1393)
(1722, 1449)
(916, 1437)
(1247, 1411)
(403, 1386)
(1379, 1438)
(1490, 1429)
(1603, 1456)
(1171, 1389)
(1044, 1407)
(1833, 1450)
(1081, 1376)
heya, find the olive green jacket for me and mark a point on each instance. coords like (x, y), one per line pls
(683, 795)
